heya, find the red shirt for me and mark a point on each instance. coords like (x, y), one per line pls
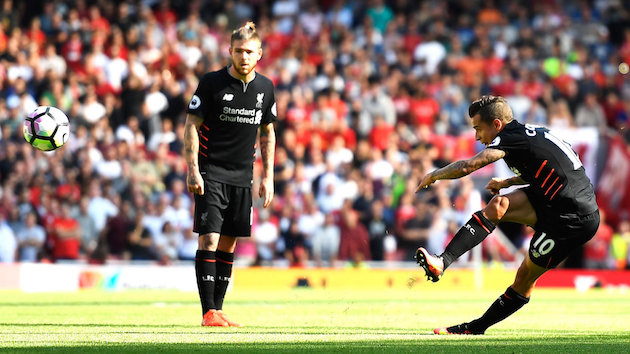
(354, 242)
(65, 248)
(597, 248)
(423, 111)
(379, 135)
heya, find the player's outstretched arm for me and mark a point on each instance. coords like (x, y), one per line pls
(462, 168)
(496, 184)
(267, 150)
(191, 153)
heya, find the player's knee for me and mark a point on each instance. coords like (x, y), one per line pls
(208, 243)
(496, 208)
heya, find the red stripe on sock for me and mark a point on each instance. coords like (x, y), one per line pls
(480, 223)
(205, 260)
(540, 169)
(549, 175)
(222, 261)
(506, 295)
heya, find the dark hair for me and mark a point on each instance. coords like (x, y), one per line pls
(490, 108)
(248, 31)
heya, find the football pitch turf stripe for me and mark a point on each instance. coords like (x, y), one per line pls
(311, 321)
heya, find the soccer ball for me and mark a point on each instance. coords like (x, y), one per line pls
(46, 128)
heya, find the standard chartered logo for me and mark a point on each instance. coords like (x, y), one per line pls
(241, 115)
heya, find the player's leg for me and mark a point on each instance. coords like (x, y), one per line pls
(238, 218)
(206, 271)
(515, 297)
(208, 221)
(225, 259)
(514, 207)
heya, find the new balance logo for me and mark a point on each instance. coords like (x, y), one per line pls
(207, 277)
(471, 229)
(228, 97)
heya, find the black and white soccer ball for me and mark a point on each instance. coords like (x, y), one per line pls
(46, 128)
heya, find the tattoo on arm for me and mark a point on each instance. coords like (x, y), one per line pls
(267, 148)
(517, 181)
(463, 168)
(191, 140)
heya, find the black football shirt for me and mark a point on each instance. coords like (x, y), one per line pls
(552, 169)
(232, 111)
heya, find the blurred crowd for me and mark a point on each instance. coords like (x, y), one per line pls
(371, 95)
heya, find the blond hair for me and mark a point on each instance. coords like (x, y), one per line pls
(247, 32)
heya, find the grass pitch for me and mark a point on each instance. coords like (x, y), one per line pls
(392, 321)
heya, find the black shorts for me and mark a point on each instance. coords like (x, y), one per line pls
(223, 209)
(557, 236)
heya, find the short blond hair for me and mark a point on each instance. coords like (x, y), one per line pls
(247, 32)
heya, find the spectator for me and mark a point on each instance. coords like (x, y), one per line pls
(66, 235)
(377, 228)
(266, 236)
(590, 113)
(89, 234)
(31, 239)
(596, 250)
(620, 244)
(188, 246)
(117, 230)
(100, 208)
(354, 245)
(325, 242)
(166, 243)
(415, 231)
(8, 243)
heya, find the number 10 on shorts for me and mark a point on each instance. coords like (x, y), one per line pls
(544, 246)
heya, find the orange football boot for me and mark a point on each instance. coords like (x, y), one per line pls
(227, 320)
(212, 318)
(433, 266)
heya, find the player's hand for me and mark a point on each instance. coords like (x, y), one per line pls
(427, 180)
(266, 191)
(495, 185)
(194, 181)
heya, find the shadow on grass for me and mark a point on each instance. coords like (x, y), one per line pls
(423, 344)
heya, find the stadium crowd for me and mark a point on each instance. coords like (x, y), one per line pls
(370, 96)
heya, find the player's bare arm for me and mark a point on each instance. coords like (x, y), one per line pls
(462, 168)
(191, 151)
(496, 184)
(267, 150)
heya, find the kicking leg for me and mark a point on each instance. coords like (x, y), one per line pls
(514, 207)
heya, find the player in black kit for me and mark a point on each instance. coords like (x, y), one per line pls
(559, 203)
(230, 108)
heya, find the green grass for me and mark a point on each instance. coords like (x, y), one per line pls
(310, 320)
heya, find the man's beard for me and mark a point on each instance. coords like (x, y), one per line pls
(240, 70)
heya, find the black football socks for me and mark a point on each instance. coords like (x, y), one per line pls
(224, 272)
(468, 236)
(504, 306)
(206, 269)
